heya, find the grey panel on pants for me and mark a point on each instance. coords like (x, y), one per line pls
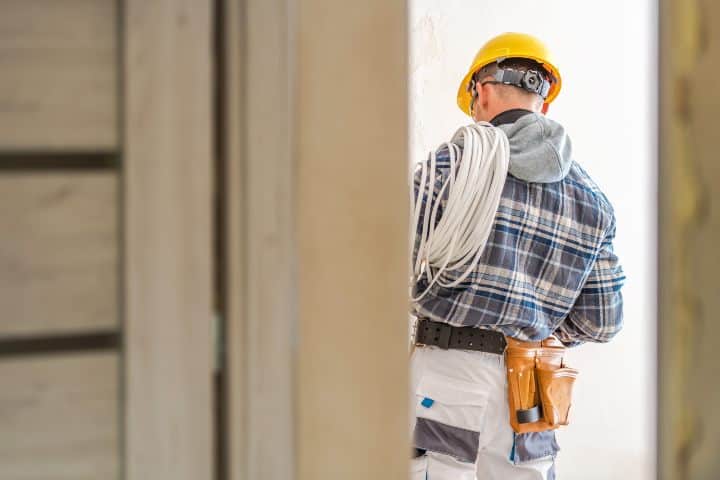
(535, 445)
(440, 438)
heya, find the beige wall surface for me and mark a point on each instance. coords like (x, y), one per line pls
(260, 183)
(59, 417)
(689, 236)
(167, 159)
(59, 218)
(351, 219)
(59, 68)
(334, 364)
(58, 252)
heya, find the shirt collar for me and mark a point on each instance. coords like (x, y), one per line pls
(509, 116)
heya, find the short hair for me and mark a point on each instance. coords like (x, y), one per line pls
(520, 64)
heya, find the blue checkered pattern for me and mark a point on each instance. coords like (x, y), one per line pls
(548, 267)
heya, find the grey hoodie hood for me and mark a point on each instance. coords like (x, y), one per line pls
(540, 150)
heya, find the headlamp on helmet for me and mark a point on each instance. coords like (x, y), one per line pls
(532, 81)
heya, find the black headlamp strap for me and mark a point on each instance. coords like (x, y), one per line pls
(530, 80)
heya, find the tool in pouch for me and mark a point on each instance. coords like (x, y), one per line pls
(539, 385)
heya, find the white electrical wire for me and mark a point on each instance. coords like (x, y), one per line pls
(473, 189)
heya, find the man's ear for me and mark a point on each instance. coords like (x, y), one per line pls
(480, 89)
(484, 93)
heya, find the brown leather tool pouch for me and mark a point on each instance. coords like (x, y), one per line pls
(556, 394)
(539, 385)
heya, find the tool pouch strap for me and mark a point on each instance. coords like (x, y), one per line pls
(539, 385)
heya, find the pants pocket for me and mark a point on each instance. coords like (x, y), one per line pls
(450, 415)
(534, 446)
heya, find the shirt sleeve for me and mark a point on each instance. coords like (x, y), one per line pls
(597, 315)
(428, 194)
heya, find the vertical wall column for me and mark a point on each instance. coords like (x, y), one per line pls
(689, 233)
(260, 284)
(168, 249)
(350, 137)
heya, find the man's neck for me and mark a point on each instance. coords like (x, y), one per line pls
(510, 115)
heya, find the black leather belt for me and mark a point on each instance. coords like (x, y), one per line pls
(447, 336)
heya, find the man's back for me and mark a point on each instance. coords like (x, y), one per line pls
(548, 266)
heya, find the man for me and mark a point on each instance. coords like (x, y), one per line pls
(548, 268)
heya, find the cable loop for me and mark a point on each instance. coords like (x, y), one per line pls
(473, 188)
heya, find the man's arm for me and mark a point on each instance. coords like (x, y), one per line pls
(597, 315)
(442, 164)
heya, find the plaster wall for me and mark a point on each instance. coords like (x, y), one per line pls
(606, 52)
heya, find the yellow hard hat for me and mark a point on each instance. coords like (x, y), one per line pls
(510, 45)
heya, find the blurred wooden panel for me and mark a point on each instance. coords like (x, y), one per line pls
(351, 398)
(689, 233)
(59, 417)
(58, 252)
(168, 212)
(58, 86)
(261, 313)
(237, 399)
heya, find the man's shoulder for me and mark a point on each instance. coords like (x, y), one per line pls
(442, 162)
(442, 155)
(578, 178)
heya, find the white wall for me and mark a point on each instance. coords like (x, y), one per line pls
(607, 54)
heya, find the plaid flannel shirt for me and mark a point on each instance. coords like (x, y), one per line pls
(548, 267)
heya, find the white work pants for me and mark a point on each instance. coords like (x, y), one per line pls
(460, 419)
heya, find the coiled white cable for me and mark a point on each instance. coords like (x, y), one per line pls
(473, 189)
